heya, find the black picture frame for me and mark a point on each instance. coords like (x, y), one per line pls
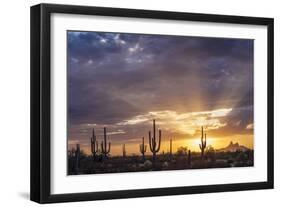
(41, 99)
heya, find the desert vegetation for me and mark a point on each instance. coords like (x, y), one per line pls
(101, 161)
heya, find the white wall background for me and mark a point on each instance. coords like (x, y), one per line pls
(14, 101)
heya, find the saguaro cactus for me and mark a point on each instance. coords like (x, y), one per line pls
(77, 158)
(71, 153)
(203, 143)
(189, 158)
(143, 149)
(171, 147)
(104, 149)
(124, 150)
(154, 148)
(94, 144)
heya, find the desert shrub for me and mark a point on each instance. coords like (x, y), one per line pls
(210, 153)
(182, 151)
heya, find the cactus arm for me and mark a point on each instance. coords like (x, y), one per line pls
(154, 132)
(144, 146)
(159, 140)
(92, 146)
(109, 145)
(150, 142)
(159, 144)
(205, 142)
(105, 149)
(102, 149)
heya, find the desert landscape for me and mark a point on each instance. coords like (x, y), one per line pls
(100, 161)
(152, 102)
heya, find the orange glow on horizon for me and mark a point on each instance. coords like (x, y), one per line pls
(191, 144)
(186, 128)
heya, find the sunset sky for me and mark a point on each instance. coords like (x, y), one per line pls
(124, 81)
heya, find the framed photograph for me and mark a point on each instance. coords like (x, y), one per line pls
(133, 103)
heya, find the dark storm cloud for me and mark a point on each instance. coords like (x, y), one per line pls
(237, 121)
(99, 108)
(114, 77)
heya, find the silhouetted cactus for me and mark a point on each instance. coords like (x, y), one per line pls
(189, 158)
(171, 148)
(77, 158)
(143, 149)
(104, 149)
(203, 143)
(154, 148)
(71, 153)
(94, 144)
(124, 150)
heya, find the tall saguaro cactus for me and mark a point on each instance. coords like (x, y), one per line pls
(171, 147)
(154, 147)
(143, 149)
(94, 144)
(124, 150)
(77, 158)
(104, 148)
(203, 143)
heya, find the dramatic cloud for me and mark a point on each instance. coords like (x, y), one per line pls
(123, 81)
(184, 123)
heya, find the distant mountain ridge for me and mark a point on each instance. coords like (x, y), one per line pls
(233, 148)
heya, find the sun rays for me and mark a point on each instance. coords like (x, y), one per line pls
(123, 81)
